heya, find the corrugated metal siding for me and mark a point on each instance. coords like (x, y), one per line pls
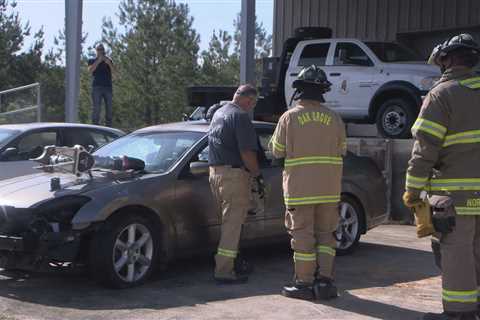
(373, 19)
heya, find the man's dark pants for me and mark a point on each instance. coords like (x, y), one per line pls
(99, 93)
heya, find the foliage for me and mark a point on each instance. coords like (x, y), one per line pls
(156, 59)
(221, 61)
(155, 50)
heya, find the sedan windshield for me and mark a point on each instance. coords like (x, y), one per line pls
(6, 135)
(392, 52)
(159, 150)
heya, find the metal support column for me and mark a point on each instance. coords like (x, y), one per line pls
(247, 50)
(73, 35)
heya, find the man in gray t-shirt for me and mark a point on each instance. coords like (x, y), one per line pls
(233, 162)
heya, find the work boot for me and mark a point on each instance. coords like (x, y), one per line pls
(298, 290)
(242, 266)
(450, 316)
(232, 278)
(324, 289)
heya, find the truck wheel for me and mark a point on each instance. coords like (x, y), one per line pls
(395, 118)
(349, 226)
(124, 252)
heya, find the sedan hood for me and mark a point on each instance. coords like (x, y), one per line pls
(27, 191)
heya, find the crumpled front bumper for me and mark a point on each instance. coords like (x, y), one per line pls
(11, 243)
(29, 243)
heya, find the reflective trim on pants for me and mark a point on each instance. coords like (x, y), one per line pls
(460, 296)
(227, 253)
(326, 250)
(298, 256)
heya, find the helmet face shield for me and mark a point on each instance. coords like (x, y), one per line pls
(435, 54)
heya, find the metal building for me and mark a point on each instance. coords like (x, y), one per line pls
(419, 24)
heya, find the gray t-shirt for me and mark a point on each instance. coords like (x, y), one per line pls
(231, 131)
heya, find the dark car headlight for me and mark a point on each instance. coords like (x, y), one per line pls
(61, 210)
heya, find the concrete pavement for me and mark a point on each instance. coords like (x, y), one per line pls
(391, 276)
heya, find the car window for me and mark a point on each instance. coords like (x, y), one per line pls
(264, 138)
(350, 54)
(314, 54)
(102, 138)
(31, 145)
(159, 150)
(6, 136)
(264, 155)
(73, 136)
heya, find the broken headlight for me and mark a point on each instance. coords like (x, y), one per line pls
(61, 210)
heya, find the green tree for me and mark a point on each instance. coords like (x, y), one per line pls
(220, 63)
(156, 59)
(12, 35)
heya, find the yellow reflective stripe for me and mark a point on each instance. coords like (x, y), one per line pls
(297, 256)
(455, 184)
(430, 127)
(472, 83)
(470, 80)
(277, 145)
(468, 211)
(326, 250)
(472, 136)
(313, 160)
(460, 296)
(227, 253)
(415, 182)
(311, 200)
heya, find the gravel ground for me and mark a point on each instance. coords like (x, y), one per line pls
(391, 276)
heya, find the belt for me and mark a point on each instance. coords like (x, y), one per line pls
(231, 166)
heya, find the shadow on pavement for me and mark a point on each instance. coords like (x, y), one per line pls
(189, 282)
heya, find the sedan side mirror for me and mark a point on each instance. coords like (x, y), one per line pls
(199, 168)
(9, 153)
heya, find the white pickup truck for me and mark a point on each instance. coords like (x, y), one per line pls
(372, 82)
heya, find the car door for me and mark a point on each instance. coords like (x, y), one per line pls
(306, 54)
(352, 75)
(28, 145)
(272, 173)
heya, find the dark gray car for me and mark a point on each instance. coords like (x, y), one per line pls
(21, 142)
(123, 224)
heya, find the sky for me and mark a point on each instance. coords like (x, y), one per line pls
(208, 15)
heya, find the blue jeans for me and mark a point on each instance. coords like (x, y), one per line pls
(99, 93)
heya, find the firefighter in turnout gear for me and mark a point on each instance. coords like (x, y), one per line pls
(445, 163)
(312, 140)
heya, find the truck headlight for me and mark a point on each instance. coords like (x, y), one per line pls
(427, 83)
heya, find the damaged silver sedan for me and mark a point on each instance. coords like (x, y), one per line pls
(147, 201)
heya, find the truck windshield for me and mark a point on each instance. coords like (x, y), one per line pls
(392, 52)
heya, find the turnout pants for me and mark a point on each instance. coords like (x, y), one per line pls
(313, 243)
(460, 251)
(231, 189)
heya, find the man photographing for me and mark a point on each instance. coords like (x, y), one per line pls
(101, 69)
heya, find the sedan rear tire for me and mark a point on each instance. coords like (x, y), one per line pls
(350, 225)
(123, 253)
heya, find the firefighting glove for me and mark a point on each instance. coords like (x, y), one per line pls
(260, 186)
(422, 212)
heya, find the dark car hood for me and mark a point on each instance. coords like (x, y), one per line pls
(26, 191)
